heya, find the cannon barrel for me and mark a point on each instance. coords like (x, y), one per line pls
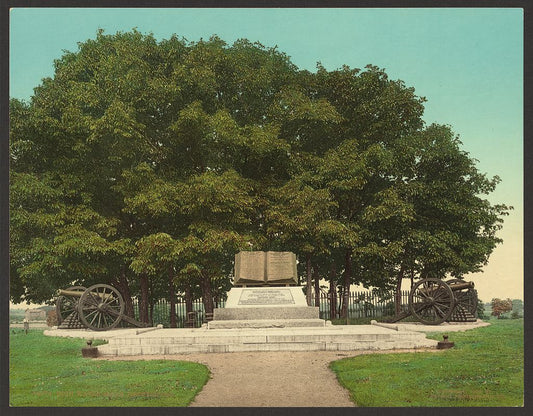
(429, 291)
(73, 293)
(461, 286)
(78, 293)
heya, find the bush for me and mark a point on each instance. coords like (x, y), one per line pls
(51, 318)
(500, 307)
(480, 309)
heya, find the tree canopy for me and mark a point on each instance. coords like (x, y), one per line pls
(149, 164)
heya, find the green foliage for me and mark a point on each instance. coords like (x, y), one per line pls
(64, 378)
(518, 308)
(164, 158)
(516, 312)
(485, 368)
(480, 309)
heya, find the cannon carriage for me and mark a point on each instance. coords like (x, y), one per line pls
(99, 307)
(433, 301)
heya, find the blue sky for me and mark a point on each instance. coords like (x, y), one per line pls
(467, 62)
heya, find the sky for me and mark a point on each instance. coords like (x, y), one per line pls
(467, 62)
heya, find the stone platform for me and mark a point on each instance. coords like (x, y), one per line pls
(266, 323)
(266, 307)
(154, 341)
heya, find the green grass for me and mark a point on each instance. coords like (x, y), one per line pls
(485, 368)
(50, 371)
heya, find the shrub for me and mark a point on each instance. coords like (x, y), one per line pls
(51, 318)
(500, 307)
(480, 309)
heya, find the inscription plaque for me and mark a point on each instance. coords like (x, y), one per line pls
(266, 297)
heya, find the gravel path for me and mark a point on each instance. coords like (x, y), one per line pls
(269, 379)
(272, 379)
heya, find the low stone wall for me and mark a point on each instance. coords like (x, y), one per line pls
(33, 325)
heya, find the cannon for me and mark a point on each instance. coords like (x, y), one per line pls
(99, 307)
(433, 301)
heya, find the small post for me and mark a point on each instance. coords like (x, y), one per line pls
(26, 325)
(444, 344)
(347, 303)
(89, 351)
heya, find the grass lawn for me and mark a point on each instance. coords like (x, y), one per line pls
(485, 368)
(50, 371)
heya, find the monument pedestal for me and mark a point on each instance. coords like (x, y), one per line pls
(266, 307)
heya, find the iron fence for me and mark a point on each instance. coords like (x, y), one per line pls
(361, 304)
(159, 312)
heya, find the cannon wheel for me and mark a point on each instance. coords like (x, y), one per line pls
(431, 301)
(101, 307)
(465, 302)
(67, 305)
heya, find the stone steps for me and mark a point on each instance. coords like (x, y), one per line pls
(265, 323)
(202, 340)
(227, 348)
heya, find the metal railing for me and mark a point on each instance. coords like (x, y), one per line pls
(361, 304)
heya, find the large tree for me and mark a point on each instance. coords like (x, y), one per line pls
(147, 164)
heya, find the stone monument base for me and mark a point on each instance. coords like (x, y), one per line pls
(266, 307)
(301, 312)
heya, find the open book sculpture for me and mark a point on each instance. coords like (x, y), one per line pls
(264, 268)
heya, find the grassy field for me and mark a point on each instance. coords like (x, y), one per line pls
(485, 368)
(49, 371)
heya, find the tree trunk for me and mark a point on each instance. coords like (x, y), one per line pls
(308, 283)
(151, 302)
(172, 298)
(398, 291)
(188, 300)
(332, 293)
(207, 293)
(124, 289)
(346, 282)
(317, 285)
(143, 305)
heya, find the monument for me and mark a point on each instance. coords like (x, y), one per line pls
(265, 268)
(265, 294)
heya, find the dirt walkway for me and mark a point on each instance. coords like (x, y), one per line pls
(269, 379)
(272, 379)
